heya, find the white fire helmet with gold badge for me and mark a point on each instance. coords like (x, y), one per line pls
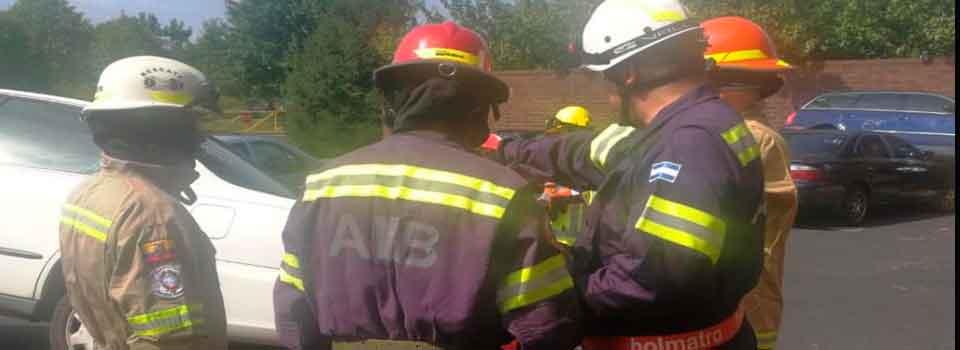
(149, 82)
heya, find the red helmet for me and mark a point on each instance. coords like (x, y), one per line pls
(738, 43)
(444, 50)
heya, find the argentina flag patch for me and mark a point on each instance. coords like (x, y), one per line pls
(666, 171)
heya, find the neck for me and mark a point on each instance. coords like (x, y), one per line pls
(647, 104)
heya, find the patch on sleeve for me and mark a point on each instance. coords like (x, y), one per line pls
(159, 252)
(666, 171)
(167, 282)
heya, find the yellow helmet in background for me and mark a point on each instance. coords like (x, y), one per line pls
(573, 115)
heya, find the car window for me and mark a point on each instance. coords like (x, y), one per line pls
(901, 148)
(238, 171)
(803, 145)
(834, 101)
(928, 123)
(872, 146)
(239, 148)
(880, 101)
(928, 103)
(46, 135)
(274, 158)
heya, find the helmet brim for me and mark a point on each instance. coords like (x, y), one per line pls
(767, 65)
(487, 86)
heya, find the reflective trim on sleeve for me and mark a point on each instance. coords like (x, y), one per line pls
(165, 321)
(683, 225)
(291, 260)
(766, 340)
(411, 183)
(602, 144)
(291, 280)
(533, 284)
(742, 143)
(86, 222)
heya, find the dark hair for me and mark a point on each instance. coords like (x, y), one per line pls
(679, 57)
(150, 136)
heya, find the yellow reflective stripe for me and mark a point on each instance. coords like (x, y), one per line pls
(291, 280)
(746, 149)
(601, 145)
(737, 56)
(679, 237)
(473, 183)
(748, 155)
(400, 192)
(153, 332)
(526, 274)
(668, 16)
(548, 291)
(102, 221)
(735, 133)
(683, 225)
(767, 335)
(163, 321)
(291, 260)
(178, 98)
(448, 55)
(688, 213)
(85, 229)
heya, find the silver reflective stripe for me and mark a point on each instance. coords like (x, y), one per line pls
(711, 238)
(537, 283)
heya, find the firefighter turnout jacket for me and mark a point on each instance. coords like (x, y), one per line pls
(415, 238)
(764, 305)
(139, 272)
(673, 238)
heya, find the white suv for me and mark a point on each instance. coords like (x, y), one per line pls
(46, 150)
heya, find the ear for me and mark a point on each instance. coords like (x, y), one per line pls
(630, 76)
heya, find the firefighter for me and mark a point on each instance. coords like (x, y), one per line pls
(746, 70)
(673, 238)
(139, 272)
(570, 118)
(415, 242)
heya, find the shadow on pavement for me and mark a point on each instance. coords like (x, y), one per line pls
(878, 216)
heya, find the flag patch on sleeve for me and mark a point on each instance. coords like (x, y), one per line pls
(665, 171)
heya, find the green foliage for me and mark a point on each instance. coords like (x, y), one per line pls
(124, 37)
(329, 90)
(840, 29)
(58, 36)
(212, 54)
(17, 68)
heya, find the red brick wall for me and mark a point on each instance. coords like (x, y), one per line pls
(537, 95)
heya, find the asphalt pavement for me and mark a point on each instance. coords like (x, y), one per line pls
(888, 285)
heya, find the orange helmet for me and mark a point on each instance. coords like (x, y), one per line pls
(445, 50)
(738, 43)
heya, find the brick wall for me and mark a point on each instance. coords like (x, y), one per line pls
(536, 96)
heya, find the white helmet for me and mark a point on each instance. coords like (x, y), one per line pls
(143, 82)
(619, 29)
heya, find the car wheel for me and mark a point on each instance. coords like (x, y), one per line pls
(67, 331)
(947, 201)
(855, 205)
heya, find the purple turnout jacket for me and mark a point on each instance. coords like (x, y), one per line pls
(415, 238)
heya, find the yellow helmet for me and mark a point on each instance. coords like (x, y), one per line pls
(574, 115)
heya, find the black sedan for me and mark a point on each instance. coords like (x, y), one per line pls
(848, 172)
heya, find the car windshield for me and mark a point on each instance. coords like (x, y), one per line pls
(936, 124)
(235, 170)
(802, 145)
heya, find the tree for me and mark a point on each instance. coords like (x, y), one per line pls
(123, 37)
(329, 90)
(212, 54)
(17, 68)
(264, 33)
(59, 36)
(840, 29)
(524, 34)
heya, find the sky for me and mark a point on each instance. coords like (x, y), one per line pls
(193, 12)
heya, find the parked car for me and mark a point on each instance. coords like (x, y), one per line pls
(849, 172)
(916, 113)
(275, 156)
(46, 151)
